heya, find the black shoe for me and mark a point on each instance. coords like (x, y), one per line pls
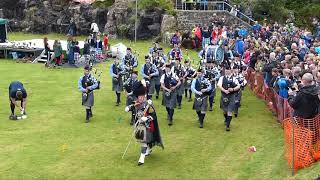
(87, 120)
(210, 109)
(139, 163)
(131, 123)
(201, 125)
(189, 100)
(117, 104)
(170, 123)
(179, 106)
(157, 97)
(235, 115)
(227, 129)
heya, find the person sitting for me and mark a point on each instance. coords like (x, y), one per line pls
(305, 101)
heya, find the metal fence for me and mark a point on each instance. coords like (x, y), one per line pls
(216, 6)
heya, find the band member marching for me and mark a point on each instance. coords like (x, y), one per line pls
(130, 85)
(87, 84)
(146, 129)
(149, 72)
(202, 89)
(179, 70)
(169, 83)
(175, 53)
(228, 85)
(243, 82)
(130, 62)
(190, 75)
(116, 72)
(212, 73)
(159, 61)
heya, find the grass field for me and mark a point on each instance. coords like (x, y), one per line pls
(55, 143)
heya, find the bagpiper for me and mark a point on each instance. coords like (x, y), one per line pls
(87, 84)
(159, 61)
(243, 82)
(191, 73)
(130, 86)
(201, 87)
(116, 72)
(212, 73)
(179, 70)
(146, 128)
(149, 72)
(169, 83)
(228, 85)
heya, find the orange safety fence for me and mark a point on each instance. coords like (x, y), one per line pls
(302, 136)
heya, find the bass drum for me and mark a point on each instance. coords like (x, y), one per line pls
(215, 53)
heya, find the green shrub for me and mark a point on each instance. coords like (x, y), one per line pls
(167, 5)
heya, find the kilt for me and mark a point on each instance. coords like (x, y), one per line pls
(228, 107)
(170, 101)
(187, 84)
(237, 97)
(200, 103)
(88, 99)
(180, 89)
(117, 85)
(130, 100)
(152, 85)
(157, 80)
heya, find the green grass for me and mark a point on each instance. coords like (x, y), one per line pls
(55, 143)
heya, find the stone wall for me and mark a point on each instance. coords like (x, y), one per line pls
(188, 19)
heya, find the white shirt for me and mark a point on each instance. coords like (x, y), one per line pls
(233, 79)
(168, 74)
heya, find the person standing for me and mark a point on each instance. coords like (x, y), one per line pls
(57, 52)
(149, 72)
(169, 83)
(228, 85)
(238, 94)
(87, 84)
(212, 73)
(130, 86)
(201, 87)
(17, 92)
(179, 70)
(146, 128)
(116, 72)
(48, 51)
(190, 75)
(159, 61)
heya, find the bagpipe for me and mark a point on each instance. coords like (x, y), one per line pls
(120, 72)
(98, 76)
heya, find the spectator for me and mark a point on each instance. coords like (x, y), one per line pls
(57, 52)
(267, 69)
(175, 38)
(305, 101)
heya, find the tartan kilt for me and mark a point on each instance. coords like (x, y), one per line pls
(229, 107)
(170, 101)
(187, 84)
(180, 89)
(200, 103)
(117, 85)
(88, 99)
(152, 85)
